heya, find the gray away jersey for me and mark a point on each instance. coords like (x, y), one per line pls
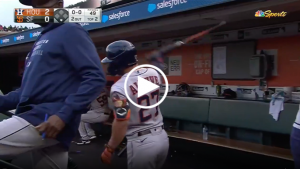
(100, 105)
(140, 119)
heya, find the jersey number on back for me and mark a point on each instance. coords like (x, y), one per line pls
(146, 98)
(102, 100)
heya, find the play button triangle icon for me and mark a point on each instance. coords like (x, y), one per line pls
(145, 86)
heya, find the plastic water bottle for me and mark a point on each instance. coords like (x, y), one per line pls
(205, 133)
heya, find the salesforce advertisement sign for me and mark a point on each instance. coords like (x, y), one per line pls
(126, 14)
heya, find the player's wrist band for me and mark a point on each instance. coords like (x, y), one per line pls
(109, 148)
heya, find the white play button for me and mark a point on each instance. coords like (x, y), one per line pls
(145, 86)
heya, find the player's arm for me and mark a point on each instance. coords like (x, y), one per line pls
(81, 53)
(120, 124)
(9, 101)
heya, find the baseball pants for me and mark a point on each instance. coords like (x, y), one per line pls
(85, 129)
(148, 151)
(18, 137)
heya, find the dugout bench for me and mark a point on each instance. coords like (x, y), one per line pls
(241, 125)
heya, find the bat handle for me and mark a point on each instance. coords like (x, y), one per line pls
(122, 151)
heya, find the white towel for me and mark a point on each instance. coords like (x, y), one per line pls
(275, 108)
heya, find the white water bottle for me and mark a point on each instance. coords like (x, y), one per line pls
(205, 133)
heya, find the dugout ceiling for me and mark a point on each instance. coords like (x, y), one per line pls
(238, 16)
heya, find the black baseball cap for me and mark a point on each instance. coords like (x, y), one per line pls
(26, 2)
(29, 2)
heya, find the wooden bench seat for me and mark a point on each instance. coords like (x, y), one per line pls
(235, 144)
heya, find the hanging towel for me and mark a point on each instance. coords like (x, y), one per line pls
(276, 106)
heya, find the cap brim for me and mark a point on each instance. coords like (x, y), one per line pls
(26, 2)
(106, 60)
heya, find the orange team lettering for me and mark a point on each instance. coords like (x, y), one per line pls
(133, 90)
(153, 79)
(19, 19)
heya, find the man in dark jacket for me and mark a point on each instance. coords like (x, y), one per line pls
(62, 76)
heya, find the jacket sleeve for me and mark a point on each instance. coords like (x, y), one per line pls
(9, 101)
(82, 55)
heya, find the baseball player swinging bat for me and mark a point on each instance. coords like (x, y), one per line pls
(156, 57)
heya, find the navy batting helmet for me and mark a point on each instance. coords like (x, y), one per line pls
(120, 55)
(29, 2)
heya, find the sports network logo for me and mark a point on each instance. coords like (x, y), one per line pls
(34, 34)
(270, 14)
(19, 11)
(3, 41)
(165, 4)
(259, 13)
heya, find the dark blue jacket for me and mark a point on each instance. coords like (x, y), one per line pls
(63, 75)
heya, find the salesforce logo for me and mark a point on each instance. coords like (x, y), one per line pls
(34, 34)
(4, 41)
(113, 16)
(19, 38)
(165, 4)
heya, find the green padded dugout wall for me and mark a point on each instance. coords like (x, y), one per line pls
(185, 108)
(251, 115)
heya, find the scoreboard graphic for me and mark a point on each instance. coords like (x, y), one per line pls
(57, 15)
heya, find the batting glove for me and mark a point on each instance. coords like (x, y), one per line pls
(107, 154)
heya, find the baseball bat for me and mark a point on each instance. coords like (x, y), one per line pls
(122, 151)
(157, 54)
